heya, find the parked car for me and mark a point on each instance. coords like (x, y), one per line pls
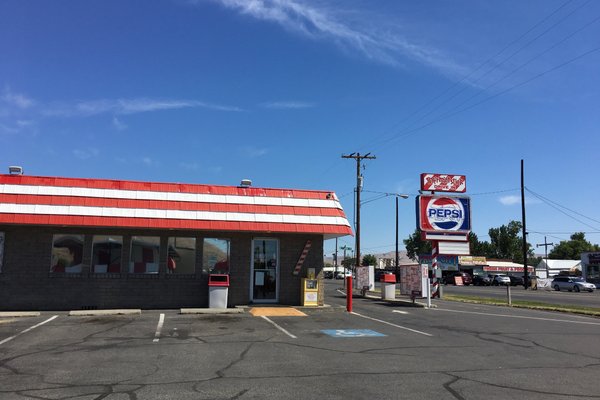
(515, 280)
(450, 278)
(328, 275)
(500, 279)
(572, 283)
(482, 280)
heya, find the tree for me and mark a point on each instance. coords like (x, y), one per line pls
(369, 259)
(416, 246)
(349, 262)
(505, 243)
(572, 249)
(477, 248)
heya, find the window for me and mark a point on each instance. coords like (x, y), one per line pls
(145, 255)
(215, 256)
(181, 258)
(106, 254)
(67, 253)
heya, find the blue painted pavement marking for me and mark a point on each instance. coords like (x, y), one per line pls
(351, 333)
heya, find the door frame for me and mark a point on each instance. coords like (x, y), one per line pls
(277, 272)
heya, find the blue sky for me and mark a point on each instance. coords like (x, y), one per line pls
(276, 91)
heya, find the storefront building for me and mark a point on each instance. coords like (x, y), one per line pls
(91, 243)
(590, 267)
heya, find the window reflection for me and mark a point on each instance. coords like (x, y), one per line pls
(67, 253)
(215, 256)
(106, 254)
(145, 255)
(181, 258)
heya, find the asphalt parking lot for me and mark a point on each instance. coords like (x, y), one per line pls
(380, 351)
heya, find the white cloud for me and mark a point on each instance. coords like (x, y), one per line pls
(16, 99)
(127, 106)
(254, 152)
(120, 126)
(375, 43)
(293, 105)
(512, 200)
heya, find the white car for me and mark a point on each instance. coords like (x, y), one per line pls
(500, 279)
(571, 283)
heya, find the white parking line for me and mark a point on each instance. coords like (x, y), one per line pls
(400, 311)
(519, 316)
(161, 321)
(27, 330)
(389, 323)
(279, 327)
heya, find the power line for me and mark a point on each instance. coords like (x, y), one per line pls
(491, 97)
(557, 208)
(559, 205)
(474, 71)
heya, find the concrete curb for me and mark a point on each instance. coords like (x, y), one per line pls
(211, 311)
(11, 314)
(91, 313)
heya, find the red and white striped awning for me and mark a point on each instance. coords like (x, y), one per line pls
(128, 204)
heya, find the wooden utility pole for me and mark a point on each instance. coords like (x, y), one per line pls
(525, 275)
(358, 159)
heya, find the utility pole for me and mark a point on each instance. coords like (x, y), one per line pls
(359, 180)
(525, 276)
(336, 258)
(546, 244)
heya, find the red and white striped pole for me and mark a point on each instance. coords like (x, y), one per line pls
(435, 292)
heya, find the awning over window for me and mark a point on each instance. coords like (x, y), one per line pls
(128, 204)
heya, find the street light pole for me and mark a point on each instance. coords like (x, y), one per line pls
(404, 196)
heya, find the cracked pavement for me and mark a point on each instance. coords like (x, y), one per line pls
(474, 354)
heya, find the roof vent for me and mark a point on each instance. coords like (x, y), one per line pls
(246, 183)
(15, 170)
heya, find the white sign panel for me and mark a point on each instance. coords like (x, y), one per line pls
(454, 248)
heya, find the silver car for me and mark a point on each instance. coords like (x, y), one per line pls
(500, 279)
(572, 283)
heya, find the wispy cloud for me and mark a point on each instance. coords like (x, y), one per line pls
(306, 19)
(512, 200)
(118, 125)
(17, 100)
(254, 152)
(290, 105)
(127, 106)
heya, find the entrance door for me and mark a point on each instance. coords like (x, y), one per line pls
(265, 271)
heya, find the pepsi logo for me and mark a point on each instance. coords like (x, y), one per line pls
(445, 213)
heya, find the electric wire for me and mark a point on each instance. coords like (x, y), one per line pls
(491, 97)
(559, 205)
(431, 101)
(563, 212)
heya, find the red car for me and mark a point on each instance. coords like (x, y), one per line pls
(450, 278)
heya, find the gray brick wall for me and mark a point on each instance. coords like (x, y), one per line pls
(27, 284)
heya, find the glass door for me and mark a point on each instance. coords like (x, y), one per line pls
(265, 271)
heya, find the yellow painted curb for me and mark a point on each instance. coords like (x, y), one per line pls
(276, 312)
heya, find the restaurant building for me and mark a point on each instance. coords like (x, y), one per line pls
(93, 243)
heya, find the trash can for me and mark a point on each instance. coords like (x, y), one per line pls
(218, 289)
(388, 286)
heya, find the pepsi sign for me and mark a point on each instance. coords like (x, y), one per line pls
(443, 214)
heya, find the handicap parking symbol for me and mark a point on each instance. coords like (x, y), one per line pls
(351, 333)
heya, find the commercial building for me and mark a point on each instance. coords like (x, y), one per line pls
(94, 243)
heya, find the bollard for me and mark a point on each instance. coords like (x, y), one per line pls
(508, 295)
(349, 293)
